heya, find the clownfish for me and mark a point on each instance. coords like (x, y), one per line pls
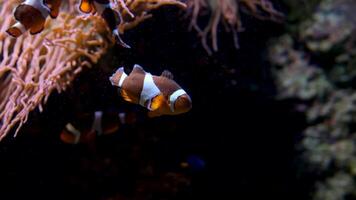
(161, 95)
(104, 9)
(31, 15)
(88, 126)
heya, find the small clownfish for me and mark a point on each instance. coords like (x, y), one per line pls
(88, 126)
(159, 94)
(104, 9)
(31, 15)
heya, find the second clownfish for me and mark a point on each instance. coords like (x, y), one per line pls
(104, 9)
(31, 15)
(159, 94)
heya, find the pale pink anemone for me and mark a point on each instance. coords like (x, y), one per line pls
(227, 12)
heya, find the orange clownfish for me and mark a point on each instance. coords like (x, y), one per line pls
(104, 9)
(159, 94)
(31, 15)
(88, 126)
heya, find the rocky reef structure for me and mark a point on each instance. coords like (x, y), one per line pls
(315, 65)
(34, 66)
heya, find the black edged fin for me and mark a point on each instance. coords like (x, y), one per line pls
(70, 134)
(14, 32)
(138, 69)
(37, 29)
(167, 74)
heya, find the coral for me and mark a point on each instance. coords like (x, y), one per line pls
(326, 90)
(300, 79)
(135, 11)
(331, 25)
(32, 67)
(296, 14)
(336, 187)
(227, 12)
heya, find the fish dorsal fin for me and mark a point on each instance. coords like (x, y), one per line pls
(167, 74)
(53, 6)
(138, 69)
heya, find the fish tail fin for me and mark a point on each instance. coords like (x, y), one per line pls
(16, 30)
(120, 69)
(118, 77)
(70, 134)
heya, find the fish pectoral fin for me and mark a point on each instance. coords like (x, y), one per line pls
(126, 96)
(85, 6)
(156, 102)
(37, 28)
(167, 74)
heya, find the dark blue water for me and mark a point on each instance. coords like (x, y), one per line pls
(237, 140)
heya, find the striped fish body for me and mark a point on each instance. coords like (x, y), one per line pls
(160, 94)
(31, 15)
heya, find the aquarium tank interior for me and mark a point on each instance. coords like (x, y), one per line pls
(178, 99)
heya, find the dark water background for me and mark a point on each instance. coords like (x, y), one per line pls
(245, 137)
